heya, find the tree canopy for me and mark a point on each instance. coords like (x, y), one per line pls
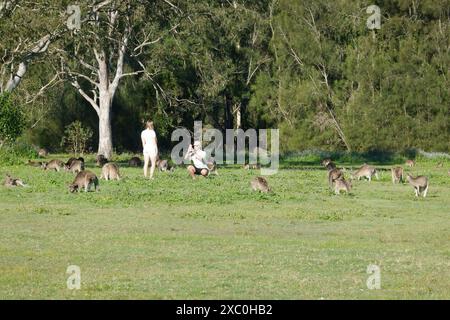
(311, 68)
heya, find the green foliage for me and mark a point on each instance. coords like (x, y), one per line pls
(12, 121)
(76, 138)
(310, 68)
(17, 153)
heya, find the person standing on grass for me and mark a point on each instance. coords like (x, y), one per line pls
(197, 156)
(150, 146)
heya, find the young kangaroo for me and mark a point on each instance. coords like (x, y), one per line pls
(410, 163)
(75, 166)
(53, 165)
(84, 179)
(397, 175)
(365, 171)
(419, 183)
(342, 184)
(110, 171)
(212, 166)
(260, 183)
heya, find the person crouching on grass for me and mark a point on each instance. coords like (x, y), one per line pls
(197, 156)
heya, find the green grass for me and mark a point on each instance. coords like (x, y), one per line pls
(174, 238)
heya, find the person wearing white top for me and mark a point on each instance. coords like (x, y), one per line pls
(150, 146)
(197, 156)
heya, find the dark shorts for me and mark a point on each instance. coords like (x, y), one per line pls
(198, 171)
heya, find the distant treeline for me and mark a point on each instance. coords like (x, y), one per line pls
(311, 68)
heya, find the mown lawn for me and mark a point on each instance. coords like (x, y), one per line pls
(174, 238)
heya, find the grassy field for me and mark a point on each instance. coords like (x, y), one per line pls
(174, 238)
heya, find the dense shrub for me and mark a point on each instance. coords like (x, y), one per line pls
(12, 120)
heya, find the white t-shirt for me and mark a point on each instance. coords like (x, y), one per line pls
(150, 144)
(198, 159)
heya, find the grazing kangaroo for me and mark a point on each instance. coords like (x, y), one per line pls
(110, 171)
(34, 163)
(135, 162)
(410, 163)
(419, 183)
(101, 160)
(342, 184)
(365, 171)
(84, 179)
(260, 184)
(75, 166)
(397, 175)
(53, 165)
(13, 182)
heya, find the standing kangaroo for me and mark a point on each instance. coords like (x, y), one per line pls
(419, 183)
(365, 171)
(397, 175)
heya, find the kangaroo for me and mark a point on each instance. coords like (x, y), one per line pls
(365, 171)
(84, 179)
(75, 166)
(34, 163)
(419, 183)
(69, 162)
(333, 175)
(397, 175)
(135, 162)
(53, 165)
(42, 153)
(327, 163)
(410, 163)
(212, 166)
(13, 182)
(101, 160)
(110, 171)
(260, 183)
(342, 184)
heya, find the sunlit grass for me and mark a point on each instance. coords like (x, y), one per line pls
(213, 238)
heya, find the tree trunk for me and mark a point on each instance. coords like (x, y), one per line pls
(105, 146)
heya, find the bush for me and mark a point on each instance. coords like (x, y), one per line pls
(12, 120)
(16, 153)
(76, 138)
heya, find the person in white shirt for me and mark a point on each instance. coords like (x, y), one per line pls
(197, 156)
(150, 146)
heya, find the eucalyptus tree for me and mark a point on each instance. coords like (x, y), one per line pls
(107, 47)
